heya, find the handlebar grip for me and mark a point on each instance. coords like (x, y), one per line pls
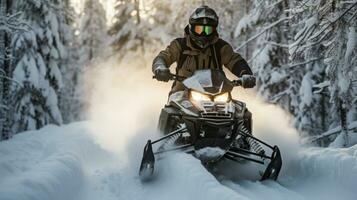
(173, 77)
(238, 82)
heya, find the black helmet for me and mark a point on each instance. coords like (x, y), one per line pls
(203, 24)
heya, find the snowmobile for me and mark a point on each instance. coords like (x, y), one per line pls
(207, 123)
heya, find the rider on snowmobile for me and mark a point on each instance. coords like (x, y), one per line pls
(208, 129)
(201, 48)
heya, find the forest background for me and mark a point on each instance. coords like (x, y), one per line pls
(304, 54)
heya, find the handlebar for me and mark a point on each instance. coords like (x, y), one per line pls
(174, 77)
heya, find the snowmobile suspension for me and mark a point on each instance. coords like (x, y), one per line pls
(182, 129)
(174, 149)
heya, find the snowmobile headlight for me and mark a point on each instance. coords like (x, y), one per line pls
(222, 97)
(196, 96)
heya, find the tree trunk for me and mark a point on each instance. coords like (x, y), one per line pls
(247, 35)
(2, 53)
(2, 68)
(344, 126)
(6, 98)
(138, 18)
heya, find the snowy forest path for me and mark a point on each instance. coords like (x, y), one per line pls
(68, 163)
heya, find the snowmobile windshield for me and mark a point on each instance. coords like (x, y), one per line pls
(209, 81)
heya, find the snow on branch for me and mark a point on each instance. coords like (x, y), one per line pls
(277, 44)
(319, 88)
(12, 23)
(334, 21)
(256, 54)
(278, 96)
(353, 16)
(11, 79)
(261, 32)
(4, 107)
(303, 63)
(351, 127)
(303, 4)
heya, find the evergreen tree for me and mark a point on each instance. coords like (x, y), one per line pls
(38, 57)
(92, 30)
(70, 103)
(310, 116)
(340, 61)
(125, 31)
(322, 53)
(9, 25)
(267, 20)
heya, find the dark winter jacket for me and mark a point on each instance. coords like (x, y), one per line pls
(190, 58)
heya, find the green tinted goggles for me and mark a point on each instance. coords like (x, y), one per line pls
(200, 29)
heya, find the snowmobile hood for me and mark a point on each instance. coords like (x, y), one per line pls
(208, 81)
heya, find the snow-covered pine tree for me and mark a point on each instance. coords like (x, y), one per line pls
(70, 104)
(242, 30)
(268, 20)
(9, 25)
(341, 29)
(92, 31)
(306, 56)
(38, 54)
(125, 31)
(84, 48)
(170, 18)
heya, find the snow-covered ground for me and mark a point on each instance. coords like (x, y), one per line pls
(99, 159)
(68, 163)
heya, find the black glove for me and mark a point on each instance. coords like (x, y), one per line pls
(162, 74)
(248, 81)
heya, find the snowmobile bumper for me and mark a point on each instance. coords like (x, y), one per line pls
(232, 153)
(275, 161)
(273, 169)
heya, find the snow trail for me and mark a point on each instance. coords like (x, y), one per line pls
(68, 163)
(46, 164)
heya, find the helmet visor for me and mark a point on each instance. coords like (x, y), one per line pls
(200, 29)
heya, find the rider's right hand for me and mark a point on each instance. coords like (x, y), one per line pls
(248, 81)
(162, 74)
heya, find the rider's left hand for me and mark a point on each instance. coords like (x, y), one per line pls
(248, 81)
(162, 74)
